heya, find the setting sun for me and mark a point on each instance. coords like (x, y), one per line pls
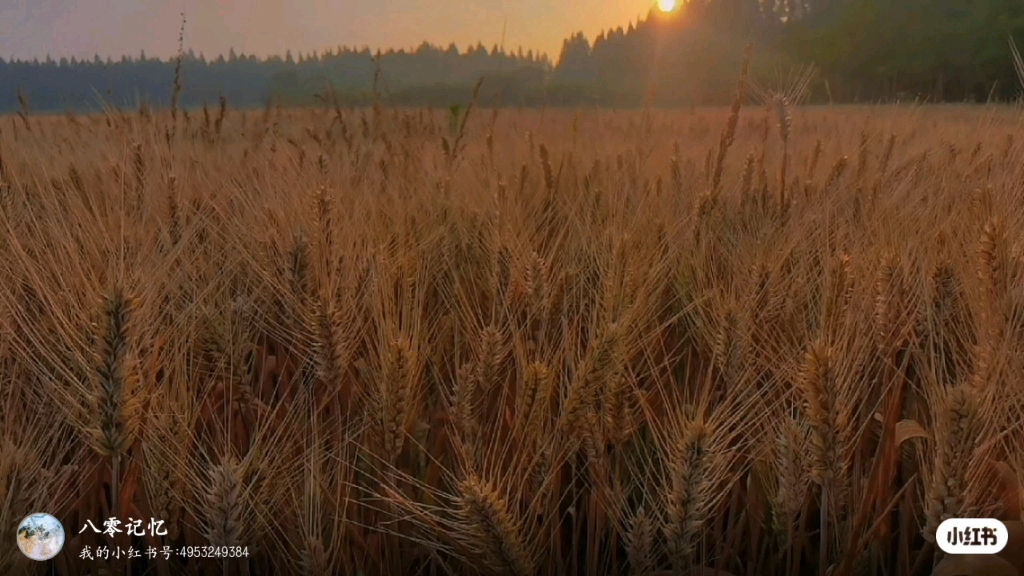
(666, 5)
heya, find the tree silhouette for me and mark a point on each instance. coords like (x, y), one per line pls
(866, 49)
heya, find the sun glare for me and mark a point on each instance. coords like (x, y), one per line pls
(666, 5)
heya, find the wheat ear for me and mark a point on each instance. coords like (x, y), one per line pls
(493, 529)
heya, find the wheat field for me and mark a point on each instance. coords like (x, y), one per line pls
(516, 342)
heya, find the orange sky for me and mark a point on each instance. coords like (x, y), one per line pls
(33, 28)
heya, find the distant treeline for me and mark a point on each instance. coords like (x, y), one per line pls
(866, 50)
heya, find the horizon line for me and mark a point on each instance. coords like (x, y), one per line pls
(538, 54)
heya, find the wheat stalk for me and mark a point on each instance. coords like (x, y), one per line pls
(493, 529)
(685, 499)
(956, 432)
(223, 501)
(640, 540)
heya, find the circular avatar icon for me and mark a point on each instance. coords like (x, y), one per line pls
(40, 536)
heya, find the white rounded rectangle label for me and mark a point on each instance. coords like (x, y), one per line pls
(971, 536)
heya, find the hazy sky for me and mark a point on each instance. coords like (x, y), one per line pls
(82, 28)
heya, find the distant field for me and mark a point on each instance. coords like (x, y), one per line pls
(379, 341)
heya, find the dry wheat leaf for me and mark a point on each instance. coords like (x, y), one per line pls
(974, 565)
(1014, 551)
(1010, 488)
(908, 430)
